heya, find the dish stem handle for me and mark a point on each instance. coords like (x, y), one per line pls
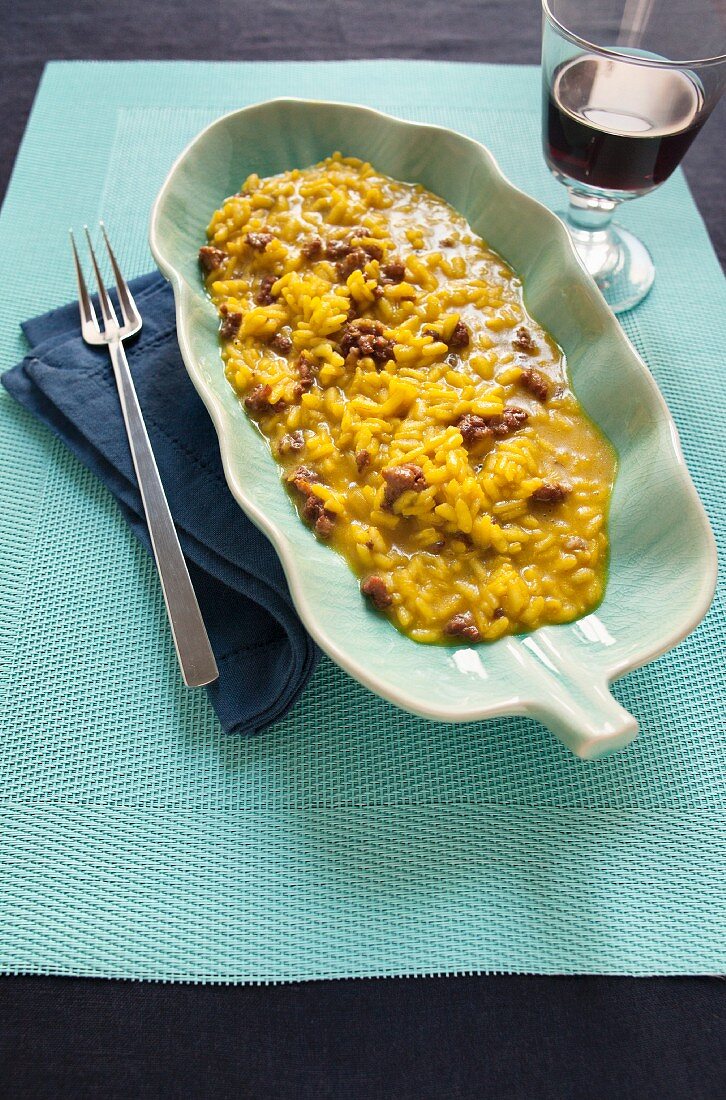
(574, 700)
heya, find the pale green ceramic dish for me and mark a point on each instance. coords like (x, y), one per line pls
(663, 563)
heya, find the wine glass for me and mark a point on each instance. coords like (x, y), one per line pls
(621, 106)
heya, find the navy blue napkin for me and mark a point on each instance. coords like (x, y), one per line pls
(264, 654)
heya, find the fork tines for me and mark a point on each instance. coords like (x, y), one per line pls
(92, 331)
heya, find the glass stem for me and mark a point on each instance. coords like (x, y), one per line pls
(589, 222)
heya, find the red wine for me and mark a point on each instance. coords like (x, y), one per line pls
(619, 126)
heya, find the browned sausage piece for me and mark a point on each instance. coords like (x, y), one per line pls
(462, 626)
(513, 418)
(362, 459)
(313, 510)
(523, 341)
(324, 524)
(377, 592)
(312, 249)
(230, 325)
(536, 382)
(321, 521)
(460, 337)
(259, 241)
(294, 441)
(473, 427)
(282, 343)
(335, 250)
(550, 493)
(393, 272)
(401, 479)
(373, 250)
(258, 400)
(352, 261)
(264, 296)
(306, 369)
(302, 477)
(211, 258)
(366, 337)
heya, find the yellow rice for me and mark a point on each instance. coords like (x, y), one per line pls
(472, 542)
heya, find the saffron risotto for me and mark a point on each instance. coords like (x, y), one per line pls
(423, 421)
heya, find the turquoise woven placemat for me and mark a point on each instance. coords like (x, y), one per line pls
(349, 839)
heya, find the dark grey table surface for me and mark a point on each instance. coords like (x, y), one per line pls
(487, 1036)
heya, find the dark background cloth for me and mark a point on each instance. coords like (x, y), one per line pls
(497, 31)
(516, 1038)
(528, 1038)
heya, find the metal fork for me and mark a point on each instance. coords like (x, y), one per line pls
(196, 659)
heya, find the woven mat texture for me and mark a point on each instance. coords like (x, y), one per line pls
(136, 840)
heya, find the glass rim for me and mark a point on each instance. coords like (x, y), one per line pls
(609, 51)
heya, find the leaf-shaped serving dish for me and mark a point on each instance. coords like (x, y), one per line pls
(662, 563)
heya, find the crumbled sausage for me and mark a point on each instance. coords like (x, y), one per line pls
(373, 250)
(536, 382)
(302, 477)
(312, 249)
(362, 235)
(306, 371)
(523, 341)
(447, 242)
(498, 613)
(401, 479)
(324, 524)
(367, 338)
(258, 400)
(549, 493)
(259, 241)
(335, 250)
(292, 442)
(460, 337)
(377, 592)
(462, 626)
(513, 418)
(473, 427)
(264, 296)
(211, 258)
(281, 342)
(230, 324)
(362, 459)
(393, 272)
(314, 512)
(313, 509)
(352, 261)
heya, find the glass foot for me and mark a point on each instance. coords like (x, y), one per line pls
(619, 263)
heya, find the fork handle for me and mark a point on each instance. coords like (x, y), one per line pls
(195, 655)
